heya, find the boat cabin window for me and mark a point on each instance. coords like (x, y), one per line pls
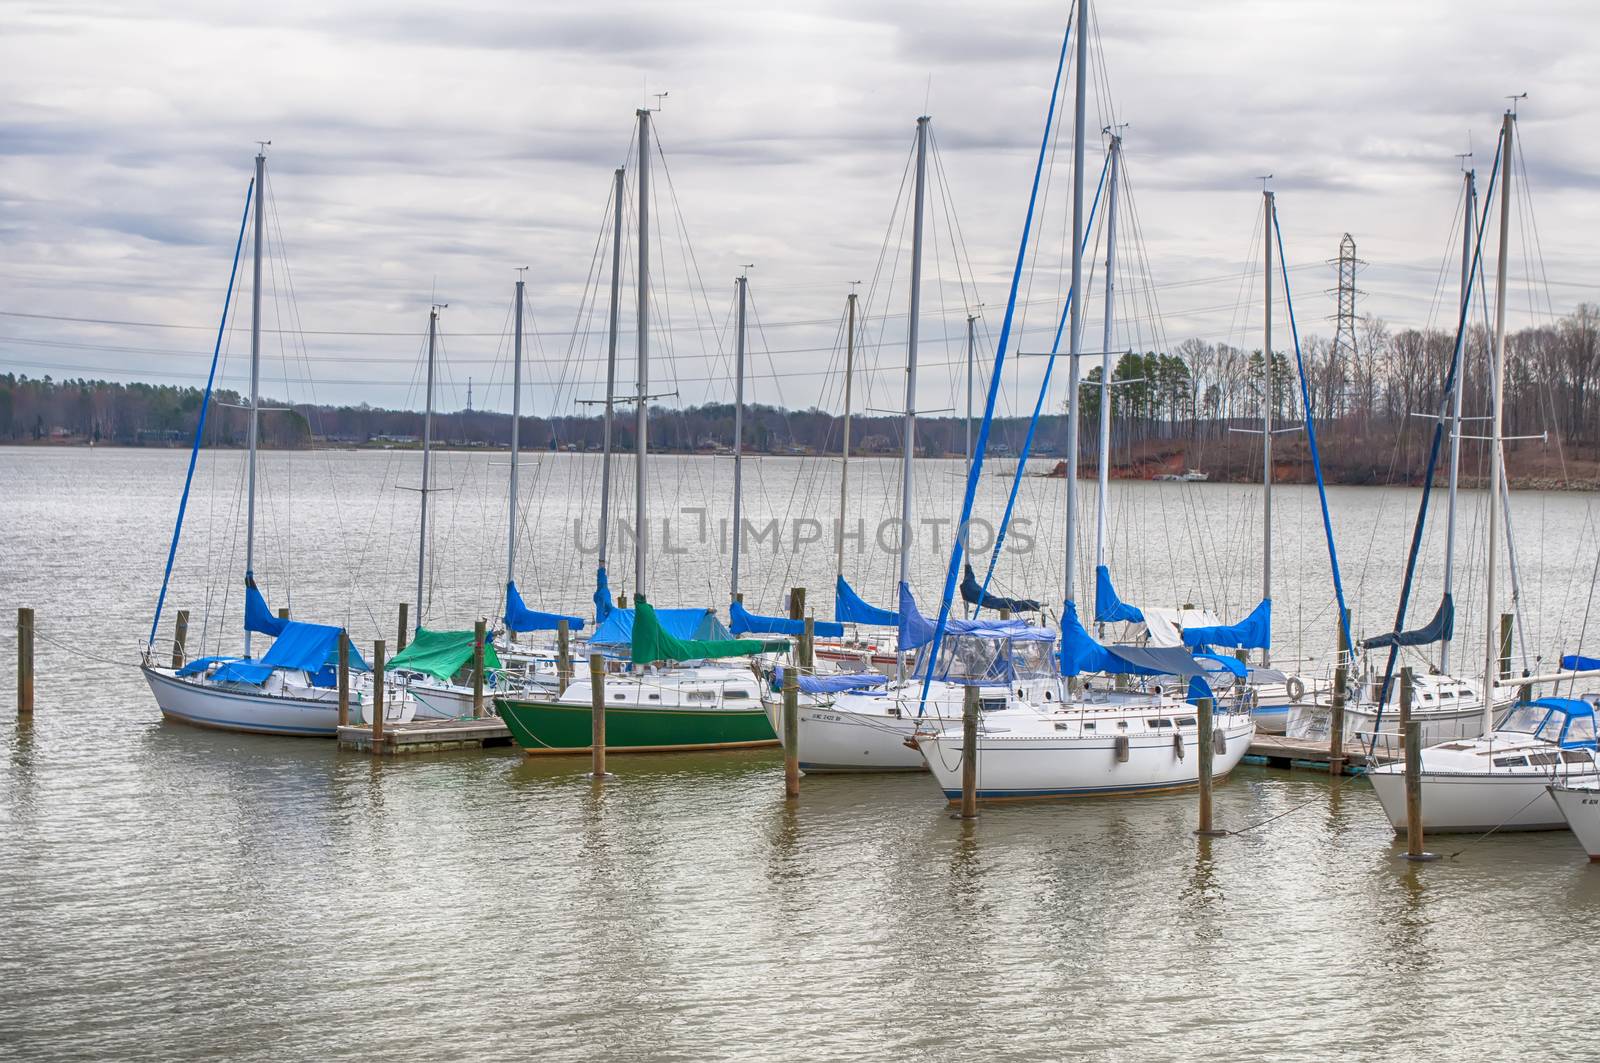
(991, 704)
(1580, 731)
(1543, 759)
(1511, 762)
(1527, 719)
(736, 694)
(1088, 727)
(1573, 756)
(1187, 721)
(697, 695)
(653, 697)
(1158, 723)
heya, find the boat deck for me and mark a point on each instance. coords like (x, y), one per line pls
(427, 736)
(1310, 753)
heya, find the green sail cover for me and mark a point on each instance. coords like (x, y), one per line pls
(442, 654)
(651, 642)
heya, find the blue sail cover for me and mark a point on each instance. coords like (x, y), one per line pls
(1199, 688)
(1440, 629)
(832, 684)
(1080, 652)
(744, 621)
(1254, 632)
(519, 617)
(1108, 608)
(1225, 664)
(849, 608)
(301, 647)
(258, 615)
(973, 594)
(1572, 662)
(698, 625)
(916, 630)
(602, 596)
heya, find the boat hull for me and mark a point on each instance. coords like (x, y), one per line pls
(1580, 806)
(836, 741)
(224, 708)
(1464, 803)
(551, 727)
(1037, 766)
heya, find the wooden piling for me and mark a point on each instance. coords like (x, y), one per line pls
(283, 612)
(180, 635)
(1341, 681)
(24, 662)
(1414, 849)
(1408, 687)
(969, 753)
(377, 695)
(1505, 646)
(797, 603)
(622, 601)
(791, 733)
(1205, 728)
(405, 627)
(563, 656)
(480, 632)
(597, 716)
(344, 679)
(808, 647)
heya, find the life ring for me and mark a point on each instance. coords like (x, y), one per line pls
(1295, 688)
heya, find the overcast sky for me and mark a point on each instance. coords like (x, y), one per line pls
(424, 152)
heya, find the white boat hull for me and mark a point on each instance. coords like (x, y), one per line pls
(236, 707)
(1463, 803)
(836, 740)
(1027, 765)
(1580, 806)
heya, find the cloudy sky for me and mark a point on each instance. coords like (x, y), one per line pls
(424, 152)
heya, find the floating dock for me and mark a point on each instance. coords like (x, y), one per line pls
(426, 736)
(1311, 753)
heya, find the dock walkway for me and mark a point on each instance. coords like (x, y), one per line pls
(427, 736)
(1312, 753)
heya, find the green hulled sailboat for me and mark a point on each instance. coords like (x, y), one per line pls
(660, 706)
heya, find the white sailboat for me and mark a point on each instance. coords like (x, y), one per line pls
(1580, 807)
(292, 688)
(1501, 778)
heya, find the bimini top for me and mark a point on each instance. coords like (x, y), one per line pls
(917, 630)
(701, 625)
(1566, 722)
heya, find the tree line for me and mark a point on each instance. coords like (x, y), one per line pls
(1366, 391)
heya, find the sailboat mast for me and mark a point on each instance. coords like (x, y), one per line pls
(849, 374)
(1467, 239)
(1075, 341)
(516, 442)
(1105, 357)
(255, 382)
(427, 456)
(972, 336)
(909, 432)
(743, 285)
(1497, 373)
(642, 406)
(1269, 210)
(611, 361)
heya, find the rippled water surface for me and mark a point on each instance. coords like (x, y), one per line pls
(172, 893)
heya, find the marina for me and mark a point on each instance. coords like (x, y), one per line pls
(647, 653)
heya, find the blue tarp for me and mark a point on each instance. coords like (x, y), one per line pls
(1108, 608)
(1199, 688)
(1254, 632)
(257, 614)
(1080, 652)
(832, 684)
(602, 596)
(310, 647)
(519, 617)
(1229, 664)
(699, 625)
(849, 608)
(1572, 662)
(200, 664)
(1440, 629)
(742, 621)
(242, 671)
(916, 630)
(973, 594)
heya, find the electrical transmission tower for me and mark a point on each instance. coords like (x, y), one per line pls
(1344, 336)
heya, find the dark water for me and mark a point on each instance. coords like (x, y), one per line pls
(172, 893)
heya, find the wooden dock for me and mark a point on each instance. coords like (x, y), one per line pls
(427, 736)
(1310, 753)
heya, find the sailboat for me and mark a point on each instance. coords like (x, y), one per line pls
(1446, 705)
(1502, 778)
(1083, 741)
(292, 689)
(674, 695)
